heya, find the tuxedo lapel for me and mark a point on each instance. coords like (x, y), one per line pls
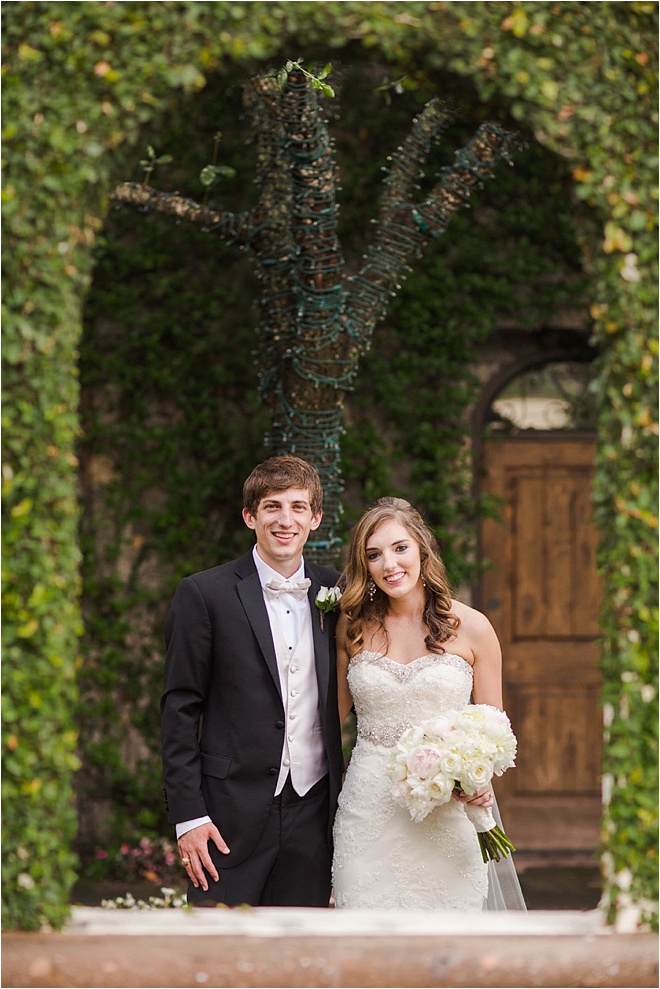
(252, 599)
(321, 641)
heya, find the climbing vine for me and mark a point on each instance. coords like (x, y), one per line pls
(165, 397)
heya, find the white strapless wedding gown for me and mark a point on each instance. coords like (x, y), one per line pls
(383, 859)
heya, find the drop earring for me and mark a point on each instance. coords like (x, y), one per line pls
(371, 589)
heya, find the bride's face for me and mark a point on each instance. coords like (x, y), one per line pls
(393, 559)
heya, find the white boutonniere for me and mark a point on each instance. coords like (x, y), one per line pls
(327, 600)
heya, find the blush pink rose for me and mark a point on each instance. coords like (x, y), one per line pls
(423, 761)
(440, 727)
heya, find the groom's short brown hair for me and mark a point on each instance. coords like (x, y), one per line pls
(279, 474)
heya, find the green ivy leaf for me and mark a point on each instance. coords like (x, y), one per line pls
(210, 174)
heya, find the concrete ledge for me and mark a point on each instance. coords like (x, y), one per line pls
(318, 948)
(283, 921)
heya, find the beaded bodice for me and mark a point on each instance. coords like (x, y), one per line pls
(390, 697)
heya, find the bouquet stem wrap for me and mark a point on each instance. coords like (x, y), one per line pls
(493, 842)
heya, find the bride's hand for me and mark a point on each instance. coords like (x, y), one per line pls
(482, 798)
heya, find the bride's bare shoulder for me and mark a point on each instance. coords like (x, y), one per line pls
(471, 620)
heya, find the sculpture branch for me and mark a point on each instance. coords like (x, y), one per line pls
(407, 163)
(319, 260)
(274, 248)
(304, 380)
(314, 321)
(403, 229)
(235, 228)
(474, 165)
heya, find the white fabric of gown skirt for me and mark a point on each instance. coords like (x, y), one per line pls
(383, 859)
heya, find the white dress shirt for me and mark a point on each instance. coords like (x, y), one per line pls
(287, 610)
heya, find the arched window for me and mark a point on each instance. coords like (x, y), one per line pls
(556, 395)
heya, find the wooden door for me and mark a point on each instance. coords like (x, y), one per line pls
(542, 595)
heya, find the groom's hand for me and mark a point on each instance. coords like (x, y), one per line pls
(195, 857)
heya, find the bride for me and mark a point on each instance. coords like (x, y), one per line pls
(407, 652)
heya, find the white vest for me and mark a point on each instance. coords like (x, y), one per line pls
(303, 753)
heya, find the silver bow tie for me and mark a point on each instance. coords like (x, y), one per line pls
(298, 588)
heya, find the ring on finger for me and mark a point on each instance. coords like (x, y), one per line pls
(185, 861)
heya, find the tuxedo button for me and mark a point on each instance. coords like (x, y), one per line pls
(272, 771)
(279, 724)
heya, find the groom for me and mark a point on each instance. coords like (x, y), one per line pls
(250, 730)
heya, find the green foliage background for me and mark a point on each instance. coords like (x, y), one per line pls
(171, 423)
(81, 84)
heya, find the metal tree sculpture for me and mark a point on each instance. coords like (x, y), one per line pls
(316, 320)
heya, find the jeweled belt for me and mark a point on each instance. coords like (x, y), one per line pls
(387, 735)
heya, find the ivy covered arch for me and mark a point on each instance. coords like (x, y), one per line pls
(80, 82)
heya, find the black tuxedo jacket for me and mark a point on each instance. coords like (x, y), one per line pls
(222, 716)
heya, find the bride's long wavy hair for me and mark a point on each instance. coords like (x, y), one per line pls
(362, 609)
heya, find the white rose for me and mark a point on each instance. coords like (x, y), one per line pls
(420, 809)
(398, 769)
(505, 756)
(441, 789)
(410, 738)
(476, 776)
(451, 764)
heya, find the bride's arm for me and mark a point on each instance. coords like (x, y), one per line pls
(487, 669)
(343, 692)
(487, 682)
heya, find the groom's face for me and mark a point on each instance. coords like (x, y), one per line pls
(282, 523)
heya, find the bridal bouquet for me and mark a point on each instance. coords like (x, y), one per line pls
(458, 751)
